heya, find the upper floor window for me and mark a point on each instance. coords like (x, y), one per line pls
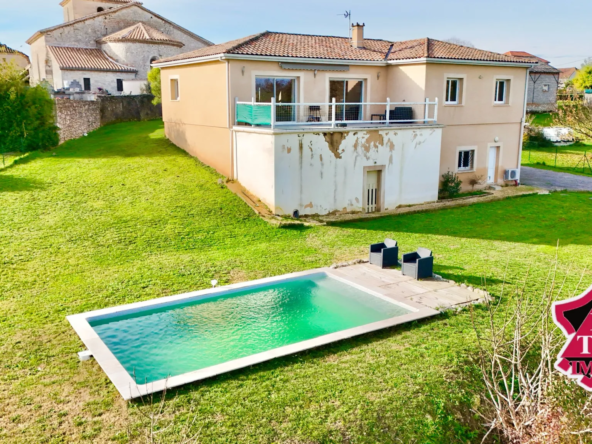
(119, 85)
(87, 86)
(546, 87)
(453, 91)
(502, 88)
(175, 89)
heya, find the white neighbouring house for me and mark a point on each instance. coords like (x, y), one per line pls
(106, 45)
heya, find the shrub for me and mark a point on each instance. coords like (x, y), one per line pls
(534, 138)
(450, 186)
(155, 88)
(27, 121)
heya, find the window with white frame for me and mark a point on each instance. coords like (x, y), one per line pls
(501, 91)
(174, 89)
(466, 160)
(453, 91)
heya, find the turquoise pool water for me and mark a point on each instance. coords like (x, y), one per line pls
(177, 339)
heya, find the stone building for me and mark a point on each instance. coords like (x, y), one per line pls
(8, 55)
(543, 83)
(106, 45)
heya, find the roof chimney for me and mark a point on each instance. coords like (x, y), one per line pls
(358, 35)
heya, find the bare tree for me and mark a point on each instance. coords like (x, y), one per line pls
(576, 115)
(458, 41)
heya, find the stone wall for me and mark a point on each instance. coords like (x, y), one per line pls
(542, 92)
(78, 117)
(128, 108)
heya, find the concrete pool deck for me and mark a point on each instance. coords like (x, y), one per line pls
(423, 299)
(433, 293)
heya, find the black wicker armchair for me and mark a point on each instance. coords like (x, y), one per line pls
(419, 264)
(385, 254)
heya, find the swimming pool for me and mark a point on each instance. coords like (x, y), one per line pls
(172, 341)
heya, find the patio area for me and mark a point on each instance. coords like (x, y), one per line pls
(436, 294)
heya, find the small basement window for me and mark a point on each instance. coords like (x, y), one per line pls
(453, 91)
(501, 91)
(175, 89)
(119, 85)
(87, 86)
(466, 160)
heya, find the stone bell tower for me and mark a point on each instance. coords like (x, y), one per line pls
(75, 9)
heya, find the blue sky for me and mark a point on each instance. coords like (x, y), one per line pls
(553, 30)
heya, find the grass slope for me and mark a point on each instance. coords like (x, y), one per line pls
(123, 216)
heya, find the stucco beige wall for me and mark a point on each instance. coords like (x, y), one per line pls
(477, 122)
(310, 89)
(480, 138)
(406, 83)
(20, 60)
(198, 121)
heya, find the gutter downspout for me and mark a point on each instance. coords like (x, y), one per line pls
(230, 131)
(523, 123)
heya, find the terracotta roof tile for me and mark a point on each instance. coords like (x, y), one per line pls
(566, 73)
(142, 33)
(7, 50)
(275, 44)
(86, 59)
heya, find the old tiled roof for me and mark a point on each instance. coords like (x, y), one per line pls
(525, 54)
(542, 67)
(127, 4)
(7, 50)
(142, 33)
(566, 73)
(86, 59)
(275, 44)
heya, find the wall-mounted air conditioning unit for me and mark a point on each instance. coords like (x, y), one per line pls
(512, 175)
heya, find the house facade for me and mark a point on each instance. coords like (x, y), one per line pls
(106, 45)
(319, 124)
(9, 55)
(566, 74)
(543, 83)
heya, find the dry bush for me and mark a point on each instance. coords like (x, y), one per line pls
(516, 353)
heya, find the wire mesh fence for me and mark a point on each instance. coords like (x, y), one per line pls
(570, 159)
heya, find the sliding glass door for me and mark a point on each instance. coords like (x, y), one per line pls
(284, 91)
(347, 91)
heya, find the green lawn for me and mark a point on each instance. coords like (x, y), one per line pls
(123, 216)
(564, 159)
(543, 119)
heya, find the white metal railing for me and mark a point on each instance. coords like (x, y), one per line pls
(335, 113)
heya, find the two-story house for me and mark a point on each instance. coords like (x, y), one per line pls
(323, 124)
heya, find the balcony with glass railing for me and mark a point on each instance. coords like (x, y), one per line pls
(335, 114)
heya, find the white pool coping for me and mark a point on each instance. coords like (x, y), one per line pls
(129, 389)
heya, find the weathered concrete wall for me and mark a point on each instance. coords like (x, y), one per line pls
(77, 117)
(128, 108)
(319, 173)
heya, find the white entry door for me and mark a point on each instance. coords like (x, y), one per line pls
(371, 191)
(492, 164)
